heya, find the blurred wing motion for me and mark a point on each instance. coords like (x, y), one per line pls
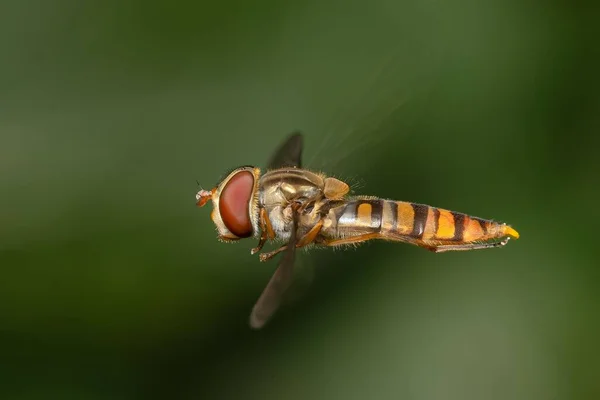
(270, 299)
(289, 154)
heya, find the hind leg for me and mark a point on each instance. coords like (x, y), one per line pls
(431, 246)
(468, 246)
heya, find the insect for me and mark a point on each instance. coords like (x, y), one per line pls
(305, 208)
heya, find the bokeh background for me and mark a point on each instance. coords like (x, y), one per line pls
(113, 285)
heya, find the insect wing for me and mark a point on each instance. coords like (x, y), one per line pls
(270, 299)
(289, 154)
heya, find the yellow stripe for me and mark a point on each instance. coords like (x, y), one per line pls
(445, 225)
(429, 230)
(363, 214)
(406, 218)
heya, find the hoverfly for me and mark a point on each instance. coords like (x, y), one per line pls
(305, 208)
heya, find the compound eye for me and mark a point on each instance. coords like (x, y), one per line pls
(234, 204)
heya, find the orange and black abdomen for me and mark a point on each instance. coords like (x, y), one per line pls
(416, 222)
(360, 217)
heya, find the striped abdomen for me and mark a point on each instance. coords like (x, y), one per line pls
(416, 223)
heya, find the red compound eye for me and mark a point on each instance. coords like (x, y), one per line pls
(234, 204)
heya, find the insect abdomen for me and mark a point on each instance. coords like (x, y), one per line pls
(430, 224)
(416, 222)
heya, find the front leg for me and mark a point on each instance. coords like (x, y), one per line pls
(261, 243)
(266, 231)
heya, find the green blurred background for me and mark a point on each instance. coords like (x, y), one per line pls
(113, 285)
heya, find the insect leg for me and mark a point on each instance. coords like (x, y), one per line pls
(266, 231)
(441, 248)
(308, 238)
(352, 239)
(434, 247)
(270, 299)
(264, 216)
(468, 246)
(261, 243)
(267, 256)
